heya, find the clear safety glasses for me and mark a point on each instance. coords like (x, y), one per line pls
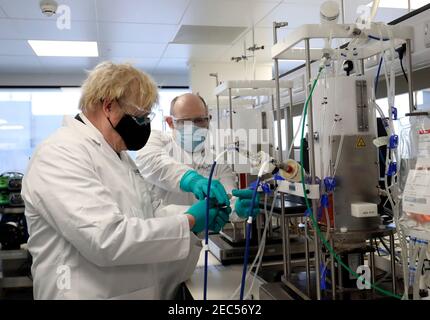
(201, 122)
(140, 120)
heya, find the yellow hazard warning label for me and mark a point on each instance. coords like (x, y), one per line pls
(360, 143)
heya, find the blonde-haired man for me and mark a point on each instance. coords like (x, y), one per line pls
(95, 231)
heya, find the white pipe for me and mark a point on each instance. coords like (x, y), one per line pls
(374, 10)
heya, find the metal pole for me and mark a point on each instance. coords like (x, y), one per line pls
(333, 272)
(287, 243)
(342, 10)
(289, 122)
(278, 97)
(393, 263)
(409, 71)
(362, 66)
(312, 165)
(307, 267)
(372, 265)
(284, 237)
(285, 234)
(340, 279)
(230, 108)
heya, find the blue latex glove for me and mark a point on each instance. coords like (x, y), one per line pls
(193, 182)
(243, 203)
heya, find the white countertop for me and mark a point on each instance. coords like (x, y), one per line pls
(222, 280)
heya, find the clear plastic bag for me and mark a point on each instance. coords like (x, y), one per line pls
(414, 152)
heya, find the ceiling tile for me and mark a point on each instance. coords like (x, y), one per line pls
(67, 64)
(131, 50)
(147, 65)
(132, 32)
(15, 47)
(2, 13)
(142, 11)
(13, 64)
(195, 52)
(46, 30)
(172, 66)
(24, 9)
(226, 13)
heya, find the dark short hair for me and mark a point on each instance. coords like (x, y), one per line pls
(172, 104)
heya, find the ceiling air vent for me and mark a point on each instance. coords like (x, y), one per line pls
(189, 34)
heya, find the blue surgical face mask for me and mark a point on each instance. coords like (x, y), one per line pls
(191, 138)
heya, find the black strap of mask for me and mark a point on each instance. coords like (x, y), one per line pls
(78, 117)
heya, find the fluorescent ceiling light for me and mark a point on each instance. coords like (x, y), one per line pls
(64, 48)
(401, 4)
(11, 127)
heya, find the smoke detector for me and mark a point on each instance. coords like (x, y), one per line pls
(48, 7)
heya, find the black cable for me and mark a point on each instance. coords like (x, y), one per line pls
(401, 52)
(403, 69)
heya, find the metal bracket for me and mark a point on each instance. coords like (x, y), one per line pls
(362, 106)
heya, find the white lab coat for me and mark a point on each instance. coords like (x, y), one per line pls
(95, 231)
(163, 162)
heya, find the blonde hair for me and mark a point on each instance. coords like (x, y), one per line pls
(109, 81)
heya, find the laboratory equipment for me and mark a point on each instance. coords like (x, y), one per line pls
(342, 189)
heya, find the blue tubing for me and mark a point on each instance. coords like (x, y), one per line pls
(205, 282)
(248, 238)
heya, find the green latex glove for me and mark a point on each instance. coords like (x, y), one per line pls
(243, 203)
(218, 216)
(220, 220)
(194, 182)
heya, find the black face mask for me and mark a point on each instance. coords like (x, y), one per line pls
(135, 135)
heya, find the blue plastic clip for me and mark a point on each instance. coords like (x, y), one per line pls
(394, 113)
(278, 177)
(392, 169)
(330, 184)
(394, 141)
(266, 188)
(324, 201)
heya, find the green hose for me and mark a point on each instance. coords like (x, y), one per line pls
(314, 222)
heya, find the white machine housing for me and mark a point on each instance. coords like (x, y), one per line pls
(342, 107)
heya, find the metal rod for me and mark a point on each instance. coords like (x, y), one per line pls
(284, 249)
(393, 263)
(278, 96)
(333, 271)
(307, 267)
(342, 11)
(372, 265)
(312, 164)
(285, 231)
(287, 239)
(289, 122)
(340, 279)
(230, 108)
(362, 66)
(409, 71)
